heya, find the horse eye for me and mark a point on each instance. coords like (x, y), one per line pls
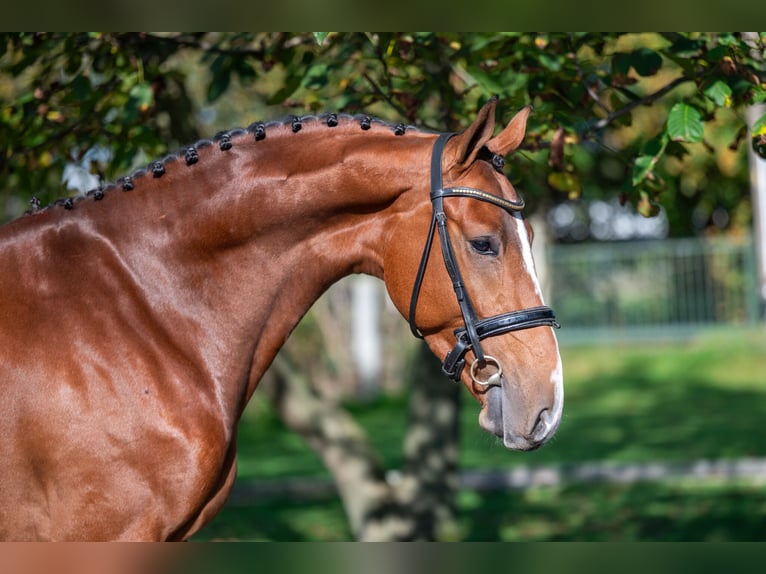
(483, 246)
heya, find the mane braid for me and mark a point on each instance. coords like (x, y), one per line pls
(225, 141)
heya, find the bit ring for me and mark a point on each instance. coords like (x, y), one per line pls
(494, 378)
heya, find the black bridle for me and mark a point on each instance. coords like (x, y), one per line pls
(475, 330)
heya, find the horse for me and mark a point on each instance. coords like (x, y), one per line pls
(137, 319)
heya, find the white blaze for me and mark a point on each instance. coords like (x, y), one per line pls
(557, 376)
(526, 253)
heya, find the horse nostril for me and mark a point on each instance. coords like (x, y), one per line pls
(542, 423)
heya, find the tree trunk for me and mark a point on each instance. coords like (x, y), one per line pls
(418, 503)
(431, 446)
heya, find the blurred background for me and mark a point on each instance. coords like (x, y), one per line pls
(644, 177)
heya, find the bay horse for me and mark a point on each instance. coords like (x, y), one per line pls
(136, 320)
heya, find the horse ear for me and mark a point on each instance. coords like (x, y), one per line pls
(511, 137)
(468, 142)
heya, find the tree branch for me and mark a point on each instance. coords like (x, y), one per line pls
(386, 98)
(591, 92)
(645, 101)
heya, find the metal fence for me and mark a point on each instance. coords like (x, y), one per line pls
(652, 288)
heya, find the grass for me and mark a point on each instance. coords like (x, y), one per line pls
(697, 511)
(702, 398)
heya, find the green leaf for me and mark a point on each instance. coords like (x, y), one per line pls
(641, 168)
(720, 93)
(551, 61)
(287, 90)
(142, 96)
(621, 63)
(646, 61)
(685, 47)
(651, 153)
(677, 150)
(81, 87)
(727, 39)
(715, 55)
(219, 83)
(759, 94)
(487, 82)
(245, 72)
(685, 124)
(320, 37)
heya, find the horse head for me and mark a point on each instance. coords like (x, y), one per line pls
(477, 301)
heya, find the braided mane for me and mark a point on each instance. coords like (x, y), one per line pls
(225, 140)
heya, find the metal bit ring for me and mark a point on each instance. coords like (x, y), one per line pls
(494, 378)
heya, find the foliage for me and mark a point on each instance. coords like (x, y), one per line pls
(136, 94)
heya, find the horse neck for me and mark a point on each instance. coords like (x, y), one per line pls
(311, 206)
(247, 239)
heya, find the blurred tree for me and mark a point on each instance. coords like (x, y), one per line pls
(648, 117)
(413, 503)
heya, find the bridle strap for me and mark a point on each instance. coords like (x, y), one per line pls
(436, 184)
(458, 285)
(508, 205)
(439, 222)
(474, 330)
(499, 324)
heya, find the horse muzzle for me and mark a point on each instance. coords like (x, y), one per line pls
(521, 427)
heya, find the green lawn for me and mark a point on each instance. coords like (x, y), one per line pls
(668, 401)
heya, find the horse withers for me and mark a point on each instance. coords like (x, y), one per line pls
(137, 320)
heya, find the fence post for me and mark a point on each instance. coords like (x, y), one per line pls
(541, 252)
(758, 191)
(365, 328)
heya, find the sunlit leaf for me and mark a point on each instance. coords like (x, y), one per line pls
(759, 127)
(646, 207)
(54, 116)
(565, 182)
(685, 123)
(758, 135)
(143, 95)
(720, 93)
(320, 37)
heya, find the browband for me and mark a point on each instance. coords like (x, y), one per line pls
(508, 205)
